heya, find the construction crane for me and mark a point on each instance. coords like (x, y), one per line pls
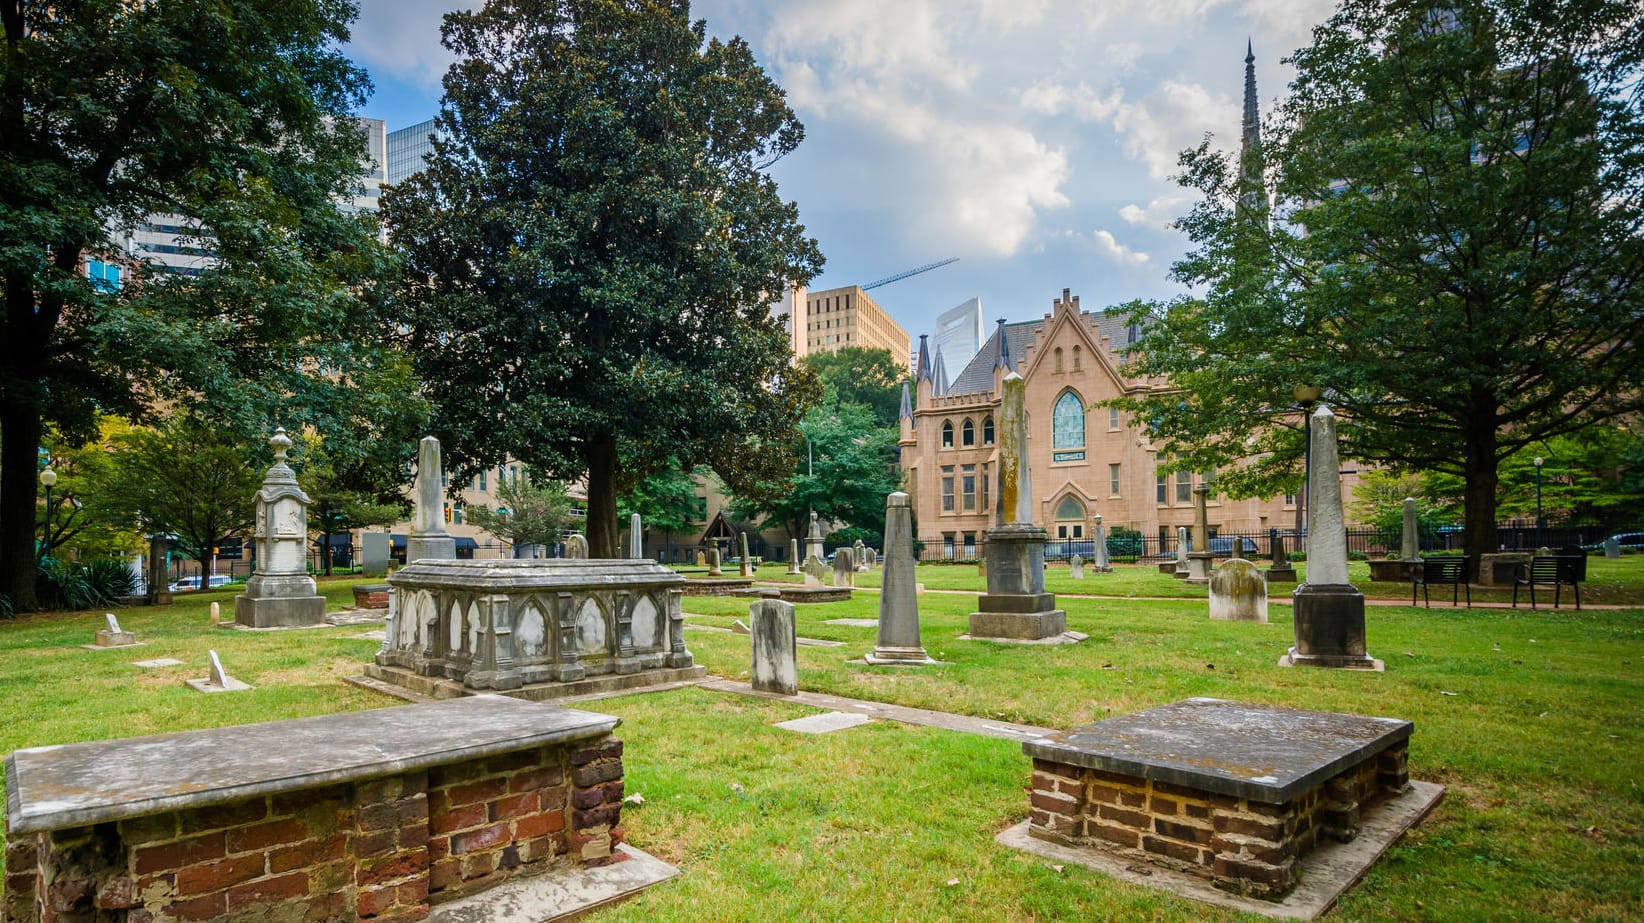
(911, 272)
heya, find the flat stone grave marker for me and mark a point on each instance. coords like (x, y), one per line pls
(825, 722)
(854, 623)
(218, 681)
(157, 663)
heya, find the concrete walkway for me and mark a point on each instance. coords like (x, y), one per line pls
(947, 721)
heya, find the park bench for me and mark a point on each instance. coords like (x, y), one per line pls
(1556, 571)
(1449, 569)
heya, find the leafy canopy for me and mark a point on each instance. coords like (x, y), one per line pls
(1452, 251)
(591, 251)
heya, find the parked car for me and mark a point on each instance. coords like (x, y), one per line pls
(193, 583)
(1224, 547)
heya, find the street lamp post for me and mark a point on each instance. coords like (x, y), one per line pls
(48, 479)
(1539, 462)
(1306, 396)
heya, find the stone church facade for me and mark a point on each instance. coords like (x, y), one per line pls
(1084, 460)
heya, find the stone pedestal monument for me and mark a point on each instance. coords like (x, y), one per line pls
(793, 555)
(1200, 560)
(280, 593)
(1016, 605)
(1329, 610)
(813, 539)
(429, 540)
(1180, 573)
(1282, 570)
(899, 641)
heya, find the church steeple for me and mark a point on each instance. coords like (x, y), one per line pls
(922, 367)
(939, 374)
(1252, 187)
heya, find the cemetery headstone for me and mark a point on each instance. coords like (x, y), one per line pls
(773, 646)
(113, 635)
(1329, 610)
(280, 592)
(636, 536)
(1103, 565)
(793, 556)
(1181, 553)
(713, 563)
(576, 546)
(844, 570)
(1612, 547)
(817, 574)
(1200, 559)
(216, 613)
(1238, 592)
(428, 539)
(217, 680)
(1282, 570)
(701, 558)
(899, 641)
(813, 539)
(859, 556)
(1409, 549)
(1015, 605)
(375, 552)
(1076, 567)
(155, 575)
(745, 565)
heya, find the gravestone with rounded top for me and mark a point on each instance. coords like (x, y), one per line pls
(1238, 592)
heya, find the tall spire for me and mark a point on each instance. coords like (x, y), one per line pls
(939, 374)
(922, 370)
(907, 403)
(1252, 188)
(1003, 360)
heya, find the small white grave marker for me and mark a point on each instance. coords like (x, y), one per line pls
(825, 722)
(112, 636)
(218, 681)
(216, 613)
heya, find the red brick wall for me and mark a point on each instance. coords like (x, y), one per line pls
(380, 850)
(1244, 846)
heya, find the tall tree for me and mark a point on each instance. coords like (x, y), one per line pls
(350, 490)
(665, 500)
(844, 474)
(592, 247)
(224, 114)
(1454, 253)
(861, 375)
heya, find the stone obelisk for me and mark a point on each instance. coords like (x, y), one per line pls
(1200, 559)
(1016, 605)
(280, 593)
(1180, 573)
(429, 540)
(1409, 547)
(899, 641)
(1329, 610)
(1104, 565)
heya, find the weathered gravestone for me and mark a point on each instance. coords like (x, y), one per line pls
(1612, 547)
(1181, 570)
(714, 569)
(859, 556)
(636, 536)
(376, 550)
(1282, 570)
(844, 572)
(813, 539)
(428, 539)
(1103, 565)
(1076, 567)
(1238, 592)
(745, 560)
(899, 641)
(113, 635)
(774, 647)
(817, 573)
(217, 680)
(576, 547)
(280, 592)
(793, 556)
(1329, 610)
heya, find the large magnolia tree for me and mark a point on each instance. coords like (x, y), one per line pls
(593, 245)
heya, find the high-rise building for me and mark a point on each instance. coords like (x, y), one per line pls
(408, 149)
(847, 316)
(958, 333)
(789, 311)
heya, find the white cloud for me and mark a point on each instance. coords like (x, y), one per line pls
(1156, 214)
(402, 37)
(1109, 247)
(1152, 130)
(1052, 98)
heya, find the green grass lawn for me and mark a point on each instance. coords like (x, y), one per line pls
(1535, 721)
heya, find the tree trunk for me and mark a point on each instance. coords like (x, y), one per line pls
(1479, 493)
(603, 538)
(20, 432)
(325, 553)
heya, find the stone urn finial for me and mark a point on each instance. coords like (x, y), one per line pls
(281, 443)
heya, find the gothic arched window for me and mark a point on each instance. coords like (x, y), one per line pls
(967, 434)
(947, 434)
(1067, 422)
(987, 431)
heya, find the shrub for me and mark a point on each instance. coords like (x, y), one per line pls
(72, 585)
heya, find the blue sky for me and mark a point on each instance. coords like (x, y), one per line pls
(1032, 139)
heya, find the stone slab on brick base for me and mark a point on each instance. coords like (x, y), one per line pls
(1233, 793)
(1325, 873)
(367, 816)
(563, 894)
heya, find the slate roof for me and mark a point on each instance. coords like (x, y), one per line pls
(977, 377)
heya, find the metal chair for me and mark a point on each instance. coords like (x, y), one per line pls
(1449, 569)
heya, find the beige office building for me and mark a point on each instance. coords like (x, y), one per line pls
(847, 316)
